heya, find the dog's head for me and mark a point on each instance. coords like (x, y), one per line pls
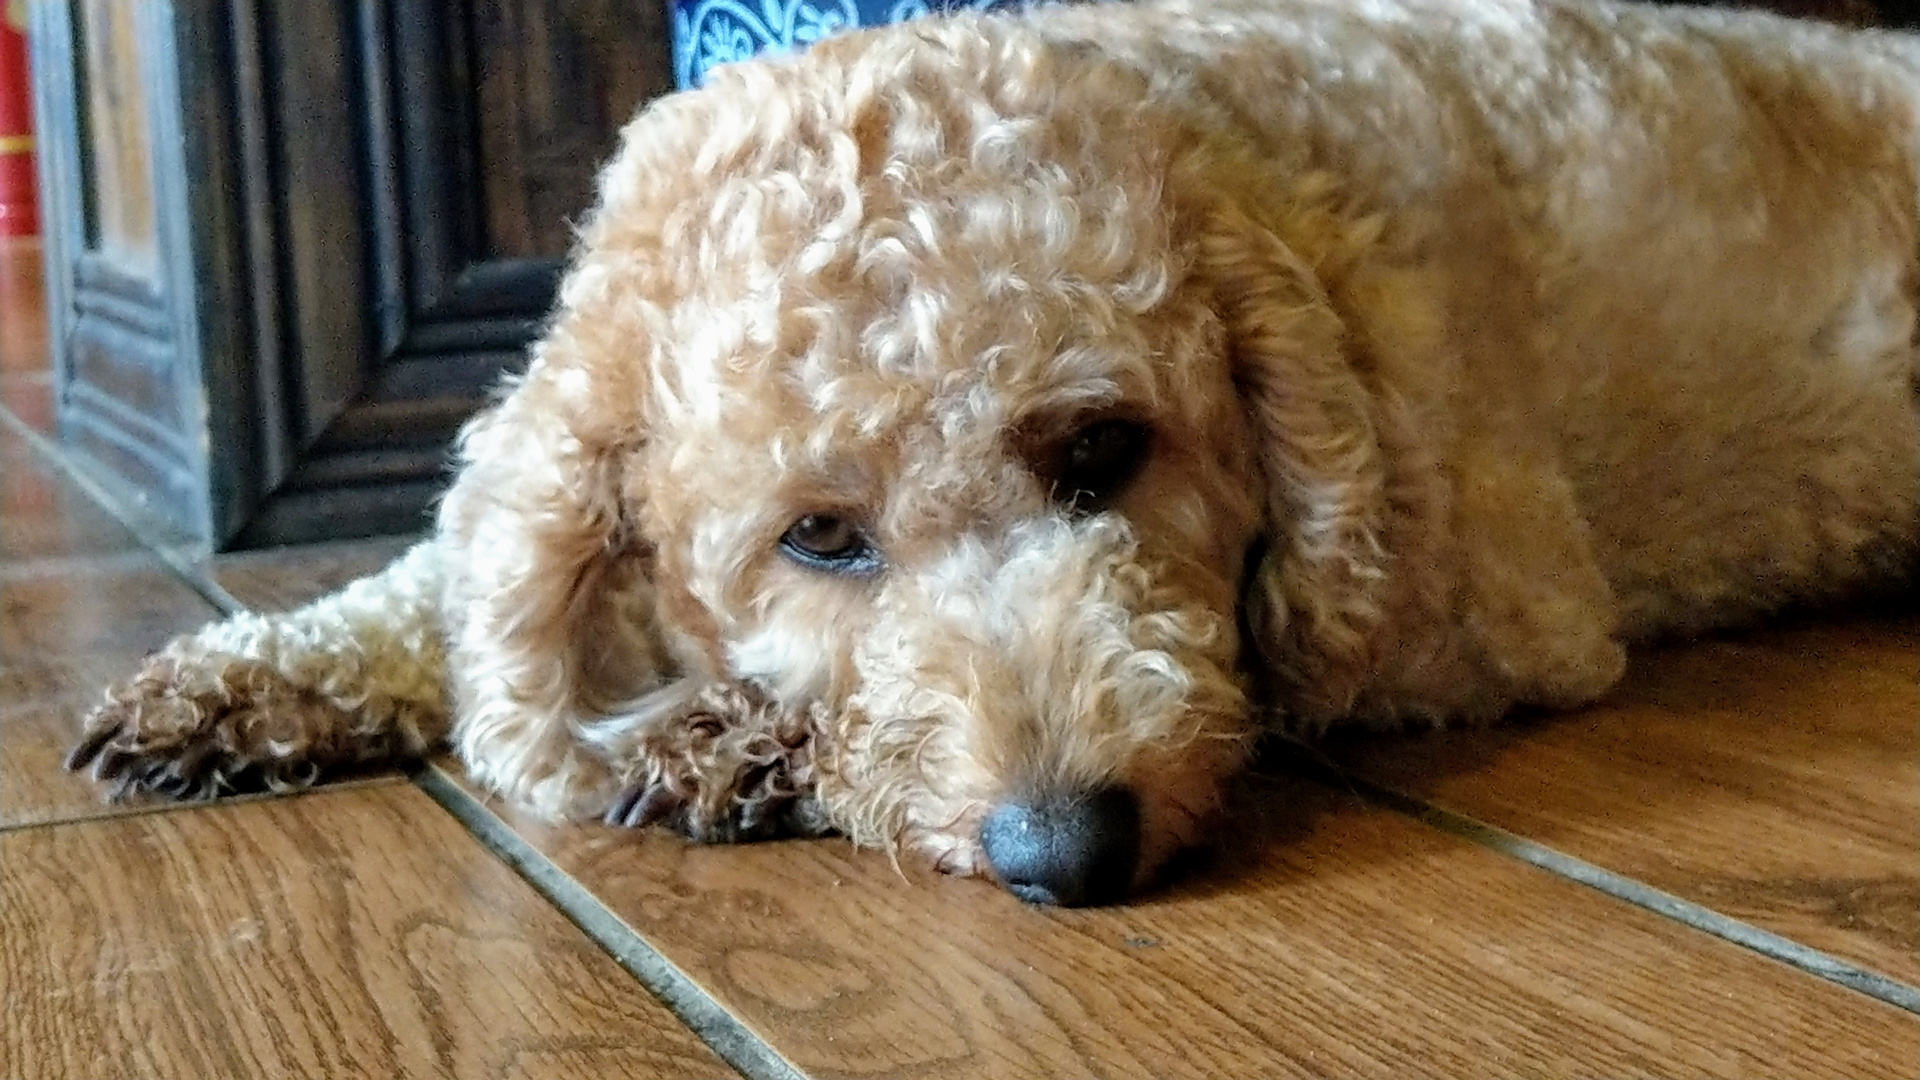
(950, 390)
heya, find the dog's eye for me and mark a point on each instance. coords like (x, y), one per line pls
(1099, 461)
(829, 542)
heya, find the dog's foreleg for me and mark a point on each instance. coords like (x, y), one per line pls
(271, 701)
(715, 762)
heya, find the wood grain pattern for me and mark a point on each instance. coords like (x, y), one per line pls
(80, 603)
(1328, 938)
(63, 637)
(121, 158)
(350, 933)
(554, 84)
(26, 365)
(1770, 776)
(23, 314)
(318, 200)
(43, 516)
(123, 242)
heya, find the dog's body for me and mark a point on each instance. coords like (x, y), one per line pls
(968, 435)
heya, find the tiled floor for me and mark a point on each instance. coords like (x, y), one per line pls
(1717, 874)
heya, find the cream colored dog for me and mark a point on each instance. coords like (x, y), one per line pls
(969, 435)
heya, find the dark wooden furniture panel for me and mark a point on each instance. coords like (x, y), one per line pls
(110, 158)
(293, 243)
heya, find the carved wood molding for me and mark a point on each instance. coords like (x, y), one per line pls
(361, 223)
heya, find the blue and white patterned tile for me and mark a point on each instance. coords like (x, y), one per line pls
(707, 33)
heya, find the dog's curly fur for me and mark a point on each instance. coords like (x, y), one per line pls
(1472, 340)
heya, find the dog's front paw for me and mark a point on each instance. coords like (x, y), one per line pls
(196, 729)
(726, 768)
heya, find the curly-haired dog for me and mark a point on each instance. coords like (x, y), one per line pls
(968, 435)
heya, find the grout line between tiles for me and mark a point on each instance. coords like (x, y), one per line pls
(728, 1037)
(752, 1056)
(107, 813)
(1638, 893)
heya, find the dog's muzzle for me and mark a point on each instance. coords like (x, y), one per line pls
(1074, 850)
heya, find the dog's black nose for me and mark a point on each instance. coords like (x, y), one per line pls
(1070, 849)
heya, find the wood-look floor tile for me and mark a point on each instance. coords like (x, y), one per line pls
(44, 517)
(23, 308)
(64, 636)
(350, 933)
(26, 376)
(28, 397)
(1328, 938)
(34, 740)
(1774, 777)
(60, 632)
(282, 578)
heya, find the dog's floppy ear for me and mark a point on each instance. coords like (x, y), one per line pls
(569, 694)
(550, 616)
(1314, 597)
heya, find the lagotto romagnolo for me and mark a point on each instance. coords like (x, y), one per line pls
(969, 436)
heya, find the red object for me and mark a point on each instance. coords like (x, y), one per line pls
(19, 216)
